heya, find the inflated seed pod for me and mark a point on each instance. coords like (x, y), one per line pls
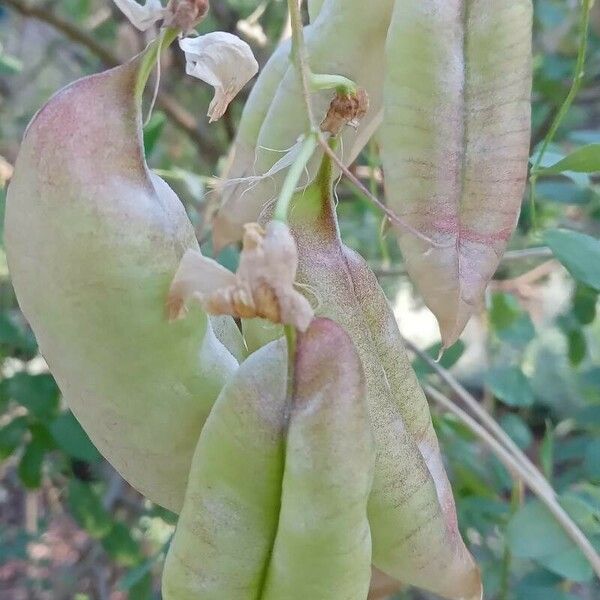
(359, 29)
(244, 151)
(229, 517)
(411, 509)
(323, 546)
(243, 154)
(276, 504)
(455, 142)
(314, 6)
(93, 240)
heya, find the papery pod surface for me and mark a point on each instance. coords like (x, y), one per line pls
(241, 162)
(323, 543)
(411, 508)
(455, 142)
(93, 240)
(229, 518)
(276, 504)
(359, 29)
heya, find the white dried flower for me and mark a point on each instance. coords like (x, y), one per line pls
(222, 60)
(142, 16)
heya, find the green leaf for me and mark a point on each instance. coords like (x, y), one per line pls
(142, 590)
(9, 65)
(582, 160)
(504, 310)
(153, 130)
(86, 508)
(133, 578)
(511, 386)
(579, 253)
(547, 452)
(15, 336)
(30, 465)
(11, 436)
(70, 437)
(591, 462)
(577, 346)
(533, 533)
(37, 393)
(584, 304)
(518, 430)
(448, 360)
(565, 192)
(509, 322)
(585, 514)
(121, 546)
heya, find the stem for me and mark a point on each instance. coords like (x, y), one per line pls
(584, 26)
(300, 58)
(517, 469)
(151, 56)
(329, 82)
(293, 177)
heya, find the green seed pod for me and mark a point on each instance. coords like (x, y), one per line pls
(455, 142)
(314, 7)
(256, 525)
(93, 240)
(229, 517)
(411, 508)
(359, 30)
(323, 544)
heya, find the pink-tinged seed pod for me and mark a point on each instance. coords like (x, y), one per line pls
(411, 508)
(323, 543)
(455, 142)
(276, 504)
(93, 240)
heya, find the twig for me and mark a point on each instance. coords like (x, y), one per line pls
(518, 471)
(176, 113)
(509, 257)
(481, 413)
(523, 284)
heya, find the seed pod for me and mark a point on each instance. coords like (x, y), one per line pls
(314, 7)
(411, 508)
(229, 518)
(243, 153)
(455, 142)
(323, 544)
(93, 240)
(254, 525)
(359, 30)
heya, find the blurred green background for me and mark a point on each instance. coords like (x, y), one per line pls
(71, 528)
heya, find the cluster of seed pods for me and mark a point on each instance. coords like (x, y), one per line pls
(294, 468)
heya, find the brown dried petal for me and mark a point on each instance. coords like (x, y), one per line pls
(197, 276)
(345, 109)
(262, 287)
(186, 14)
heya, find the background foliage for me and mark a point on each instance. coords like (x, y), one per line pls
(71, 528)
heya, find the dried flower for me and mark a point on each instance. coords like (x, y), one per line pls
(185, 14)
(262, 287)
(222, 60)
(142, 16)
(345, 109)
